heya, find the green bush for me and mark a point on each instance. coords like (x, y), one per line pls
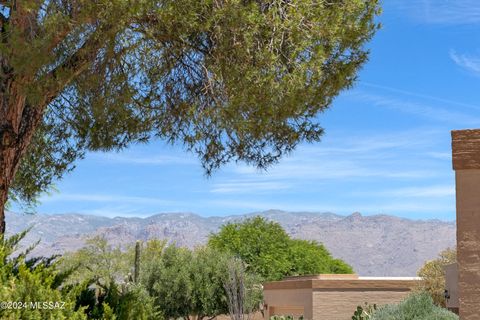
(187, 282)
(109, 290)
(33, 287)
(418, 306)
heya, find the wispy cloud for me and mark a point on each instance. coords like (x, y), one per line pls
(105, 198)
(434, 191)
(440, 11)
(410, 106)
(421, 96)
(347, 159)
(466, 62)
(240, 186)
(142, 159)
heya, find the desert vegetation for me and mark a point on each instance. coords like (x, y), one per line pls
(433, 276)
(159, 280)
(418, 306)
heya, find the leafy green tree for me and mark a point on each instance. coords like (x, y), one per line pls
(262, 244)
(168, 281)
(416, 306)
(208, 270)
(270, 252)
(433, 275)
(229, 80)
(310, 257)
(98, 262)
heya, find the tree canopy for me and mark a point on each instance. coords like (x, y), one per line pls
(270, 252)
(228, 80)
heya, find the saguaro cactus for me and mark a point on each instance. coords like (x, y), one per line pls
(136, 271)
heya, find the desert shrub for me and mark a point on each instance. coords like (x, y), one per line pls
(109, 291)
(364, 312)
(36, 283)
(433, 276)
(187, 282)
(417, 306)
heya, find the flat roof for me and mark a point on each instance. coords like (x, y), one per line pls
(344, 282)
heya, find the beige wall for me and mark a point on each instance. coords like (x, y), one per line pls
(340, 305)
(328, 298)
(466, 163)
(290, 299)
(468, 242)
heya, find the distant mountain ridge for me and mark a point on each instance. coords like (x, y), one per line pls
(379, 245)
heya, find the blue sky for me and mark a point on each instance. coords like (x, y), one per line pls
(386, 147)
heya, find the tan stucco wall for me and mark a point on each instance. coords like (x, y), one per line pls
(289, 298)
(466, 163)
(329, 297)
(340, 305)
(468, 242)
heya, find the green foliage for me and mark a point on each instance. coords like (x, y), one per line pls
(244, 292)
(229, 80)
(433, 276)
(184, 282)
(167, 279)
(99, 263)
(31, 281)
(262, 244)
(310, 257)
(130, 303)
(414, 307)
(110, 292)
(364, 312)
(269, 251)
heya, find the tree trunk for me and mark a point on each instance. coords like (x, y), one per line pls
(18, 122)
(8, 166)
(20, 118)
(4, 186)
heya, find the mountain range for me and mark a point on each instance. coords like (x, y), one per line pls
(378, 245)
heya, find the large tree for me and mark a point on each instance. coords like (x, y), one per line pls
(268, 250)
(229, 80)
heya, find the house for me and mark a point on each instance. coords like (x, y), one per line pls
(332, 296)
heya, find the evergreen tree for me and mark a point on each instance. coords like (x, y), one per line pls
(235, 80)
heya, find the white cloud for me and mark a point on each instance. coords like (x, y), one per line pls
(439, 11)
(467, 62)
(420, 96)
(441, 114)
(85, 197)
(239, 186)
(435, 191)
(142, 159)
(399, 157)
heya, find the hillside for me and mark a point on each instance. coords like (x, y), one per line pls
(379, 245)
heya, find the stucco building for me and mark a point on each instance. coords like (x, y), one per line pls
(332, 297)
